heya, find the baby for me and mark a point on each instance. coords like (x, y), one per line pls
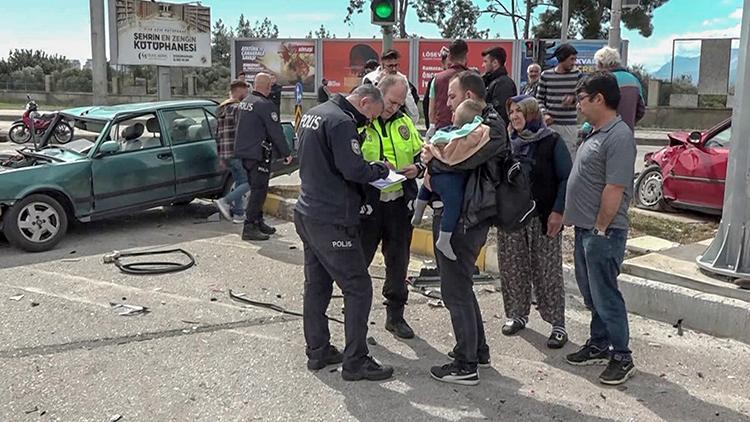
(452, 146)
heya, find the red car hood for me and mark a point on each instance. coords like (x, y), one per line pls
(679, 136)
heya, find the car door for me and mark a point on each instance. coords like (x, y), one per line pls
(140, 173)
(191, 132)
(699, 174)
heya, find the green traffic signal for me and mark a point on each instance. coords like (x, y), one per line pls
(384, 9)
(383, 12)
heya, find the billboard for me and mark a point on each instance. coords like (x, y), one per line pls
(159, 33)
(429, 58)
(290, 60)
(585, 61)
(343, 61)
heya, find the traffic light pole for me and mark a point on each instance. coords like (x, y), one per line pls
(729, 253)
(614, 27)
(387, 38)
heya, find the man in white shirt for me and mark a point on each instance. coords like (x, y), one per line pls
(389, 64)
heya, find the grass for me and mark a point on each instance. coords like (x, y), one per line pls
(674, 231)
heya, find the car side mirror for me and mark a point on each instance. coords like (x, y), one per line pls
(108, 148)
(695, 137)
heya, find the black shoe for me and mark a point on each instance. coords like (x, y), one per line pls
(395, 323)
(253, 232)
(332, 357)
(455, 373)
(512, 326)
(588, 355)
(483, 359)
(265, 228)
(370, 370)
(619, 370)
(557, 338)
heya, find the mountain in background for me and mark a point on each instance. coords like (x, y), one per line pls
(684, 65)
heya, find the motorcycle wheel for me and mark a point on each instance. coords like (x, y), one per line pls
(19, 133)
(63, 133)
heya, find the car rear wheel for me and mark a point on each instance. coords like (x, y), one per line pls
(648, 190)
(36, 223)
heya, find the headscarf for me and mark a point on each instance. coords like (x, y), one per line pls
(535, 128)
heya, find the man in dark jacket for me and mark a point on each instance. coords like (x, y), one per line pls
(258, 135)
(479, 211)
(332, 174)
(275, 94)
(499, 85)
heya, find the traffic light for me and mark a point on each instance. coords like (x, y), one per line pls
(530, 50)
(384, 12)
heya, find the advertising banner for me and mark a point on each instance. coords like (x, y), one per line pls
(429, 57)
(292, 61)
(344, 61)
(162, 34)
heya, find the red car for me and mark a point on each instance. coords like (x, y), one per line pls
(687, 174)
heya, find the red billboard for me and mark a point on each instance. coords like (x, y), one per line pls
(343, 61)
(429, 58)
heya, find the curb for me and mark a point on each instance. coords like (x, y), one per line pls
(704, 312)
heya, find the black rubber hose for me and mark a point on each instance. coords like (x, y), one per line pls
(153, 267)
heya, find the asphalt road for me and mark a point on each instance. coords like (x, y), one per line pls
(200, 356)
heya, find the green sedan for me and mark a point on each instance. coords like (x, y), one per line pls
(123, 159)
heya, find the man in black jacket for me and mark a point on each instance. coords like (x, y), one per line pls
(258, 135)
(332, 172)
(499, 85)
(275, 94)
(479, 211)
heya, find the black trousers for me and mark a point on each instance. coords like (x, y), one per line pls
(334, 253)
(456, 286)
(258, 176)
(390, 222)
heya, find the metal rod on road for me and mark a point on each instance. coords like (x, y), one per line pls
(98, 52)
(614, 28)
(729, 253)
(565, 19)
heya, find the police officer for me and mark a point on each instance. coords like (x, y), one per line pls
(392, 138)
(259, 135)
(333, 172)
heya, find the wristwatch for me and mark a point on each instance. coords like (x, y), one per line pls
(598, 232)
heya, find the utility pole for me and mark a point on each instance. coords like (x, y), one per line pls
(565, 19)
(98, 52)
(387, 38)
(729, 253)
(614, 28)
(164, 87)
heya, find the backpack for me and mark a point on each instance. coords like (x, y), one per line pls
(513, 197)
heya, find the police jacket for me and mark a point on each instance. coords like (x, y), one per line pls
(258, 122)
(332, 169)
(483, 172)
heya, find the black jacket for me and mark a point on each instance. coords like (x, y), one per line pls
(275, 96)
(500, 87)
(332, 170)
(258, 123)
(483, 172)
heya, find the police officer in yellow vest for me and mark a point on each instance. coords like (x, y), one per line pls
(386, 215)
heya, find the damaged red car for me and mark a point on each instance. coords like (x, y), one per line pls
(689, 173)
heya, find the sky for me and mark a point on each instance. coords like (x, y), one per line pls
(44, 24)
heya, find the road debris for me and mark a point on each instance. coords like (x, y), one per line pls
(16, 298)
(124, 309)
(371, 341)
(678, 326)
(436, 303)
(34, 304)
(30, 411)
(115, 418)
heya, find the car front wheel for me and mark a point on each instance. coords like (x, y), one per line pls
(36, 223)
(648, 190)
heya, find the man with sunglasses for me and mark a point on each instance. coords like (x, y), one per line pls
(390, 62)
(598, 193)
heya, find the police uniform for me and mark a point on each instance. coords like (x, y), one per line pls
(332, 173)
(259, 135)
(387, 214)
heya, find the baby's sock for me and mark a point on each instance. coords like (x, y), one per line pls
(444, 245)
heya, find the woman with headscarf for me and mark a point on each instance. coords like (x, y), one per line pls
(531, 257)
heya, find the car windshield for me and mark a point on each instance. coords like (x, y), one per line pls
(721, 139)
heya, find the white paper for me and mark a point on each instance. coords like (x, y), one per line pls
(389, 181)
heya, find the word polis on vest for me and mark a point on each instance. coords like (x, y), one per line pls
(164, 42)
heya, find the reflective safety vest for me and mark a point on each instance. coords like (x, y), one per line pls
(395, 140)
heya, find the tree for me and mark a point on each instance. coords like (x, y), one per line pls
(221, 43)
(321, 32)
(519, 12)
(590, 19)
(264, 29)
(243, 28)
(21, 59)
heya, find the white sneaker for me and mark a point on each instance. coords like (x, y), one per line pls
(223, 207)
(238, 219)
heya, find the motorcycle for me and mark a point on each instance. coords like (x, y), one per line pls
(32, 122)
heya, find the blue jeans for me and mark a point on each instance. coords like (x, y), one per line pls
(597, 261)
(241, 187)
(450, 187)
